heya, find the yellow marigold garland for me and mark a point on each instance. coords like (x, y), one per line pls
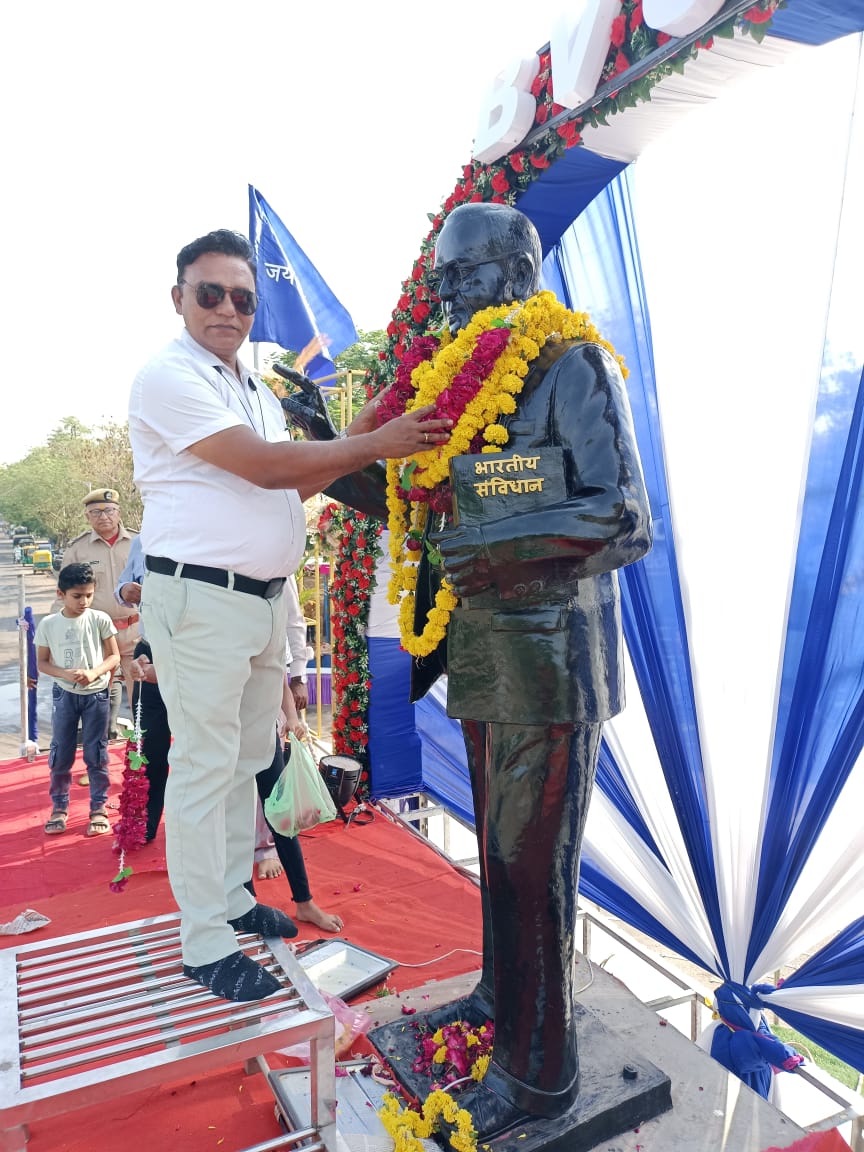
(539, 319)
(408, 1128)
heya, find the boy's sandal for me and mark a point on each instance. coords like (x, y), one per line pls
(56, 823)
(99, 824)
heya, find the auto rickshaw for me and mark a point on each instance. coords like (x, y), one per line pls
(42, 560)
(27, 551)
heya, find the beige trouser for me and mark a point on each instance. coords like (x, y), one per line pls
(220, 659)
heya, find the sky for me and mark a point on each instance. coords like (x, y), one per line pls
(130, 134)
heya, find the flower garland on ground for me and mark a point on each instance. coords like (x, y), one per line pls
(408, 1127)
(473, 380)
(131, 828)
(356, 539)
(456, 1052)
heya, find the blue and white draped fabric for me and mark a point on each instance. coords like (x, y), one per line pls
(726, 818)
(742, 1041)
(754, 857)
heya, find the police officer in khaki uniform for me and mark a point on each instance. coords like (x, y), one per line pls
(106, 547)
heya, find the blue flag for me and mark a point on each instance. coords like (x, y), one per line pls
(294, 303)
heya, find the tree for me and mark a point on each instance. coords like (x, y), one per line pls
(107, 460)
(363, 356)
(46, 489)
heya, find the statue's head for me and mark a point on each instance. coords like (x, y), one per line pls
(486, 254)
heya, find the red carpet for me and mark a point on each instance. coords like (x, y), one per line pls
(388, 887)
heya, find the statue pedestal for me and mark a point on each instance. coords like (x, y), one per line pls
(619, 1089)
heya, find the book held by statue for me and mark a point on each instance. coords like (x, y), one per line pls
(496, 485)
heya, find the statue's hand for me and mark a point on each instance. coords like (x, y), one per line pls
(465, 559)
(308, 412)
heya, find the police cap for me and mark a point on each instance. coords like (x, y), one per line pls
(102, 496)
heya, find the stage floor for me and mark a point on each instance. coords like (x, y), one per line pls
(382, 880)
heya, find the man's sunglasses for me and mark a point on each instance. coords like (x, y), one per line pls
(209, 295)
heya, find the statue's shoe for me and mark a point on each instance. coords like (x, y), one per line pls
(492, 1114)
(500, 1102)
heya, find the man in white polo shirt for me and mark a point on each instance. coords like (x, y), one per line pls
(223, 528)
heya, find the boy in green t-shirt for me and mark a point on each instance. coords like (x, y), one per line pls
(78, 648)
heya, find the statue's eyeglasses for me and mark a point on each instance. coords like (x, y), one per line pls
(209, 295)
(457, 275)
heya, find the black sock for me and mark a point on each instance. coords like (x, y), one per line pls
(234, 977)
(265, 921)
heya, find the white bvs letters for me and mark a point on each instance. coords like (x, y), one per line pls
(507, 112)
(679, 17)
(577, 55)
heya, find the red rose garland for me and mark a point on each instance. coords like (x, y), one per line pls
(350, 586)
(131, 829)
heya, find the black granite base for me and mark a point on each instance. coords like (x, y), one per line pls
(618, 1089)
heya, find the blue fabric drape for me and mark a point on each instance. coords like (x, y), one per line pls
(817, 21)
(610, 782)
(743, 1042)
(820, 721)
(445, 765)
(595, 885)
(597, 265)
(564, 190)
(846, 1043)
(820, 714)
(840, 962)
(394, 743)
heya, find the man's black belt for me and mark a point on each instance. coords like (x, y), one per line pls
(165, 567)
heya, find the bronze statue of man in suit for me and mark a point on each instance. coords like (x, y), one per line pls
(534, 663)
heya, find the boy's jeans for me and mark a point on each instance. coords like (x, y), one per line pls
(92, 710)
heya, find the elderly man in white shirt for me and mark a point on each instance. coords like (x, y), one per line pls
(223, 527)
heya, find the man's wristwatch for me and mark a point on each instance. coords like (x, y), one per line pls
(297, 680)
